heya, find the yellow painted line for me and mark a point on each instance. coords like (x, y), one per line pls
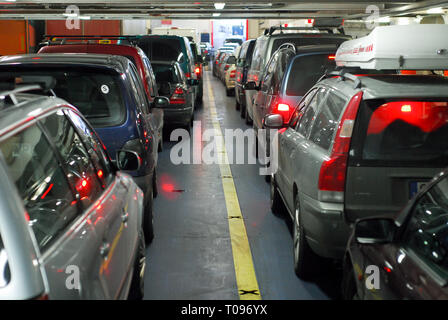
(242, 257)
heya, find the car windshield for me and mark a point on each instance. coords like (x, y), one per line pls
(97, 95)
(306, 70)
(231, 60)
(157, 48)
(403, 132)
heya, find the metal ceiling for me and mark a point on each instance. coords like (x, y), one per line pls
(234, 9)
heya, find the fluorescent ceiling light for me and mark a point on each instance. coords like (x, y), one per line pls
(219, 5)
(70, 14)
(84, 17)
(216, 14)
(384, 19)
(435, 10)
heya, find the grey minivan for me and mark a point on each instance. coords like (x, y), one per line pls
(355, 147)
(70, 223)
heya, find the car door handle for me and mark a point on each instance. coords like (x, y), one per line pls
(105, 249)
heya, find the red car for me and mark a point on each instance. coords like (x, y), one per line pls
(136, 55)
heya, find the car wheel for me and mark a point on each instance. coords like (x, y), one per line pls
(276, 201)
(137, 289)
(237, 106)
(247, 117)
(148, 219)
(305, 260)
(243, 111)
(349, 291)
(228, 92)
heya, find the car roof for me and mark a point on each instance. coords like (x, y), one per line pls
(119, 49)
(118, 63)
(394, 86)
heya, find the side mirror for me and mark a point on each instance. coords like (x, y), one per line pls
(161, 102)
(193, 82)
(128, 160)
(273, 121)
(375, 230)
(250, 86)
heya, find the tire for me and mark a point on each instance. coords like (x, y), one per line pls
(228, 92)
(247, 117)
(137, 289)
(237, 106)
(148, 217)
(243, 111)
(275, 199)
(305, 260)
(349, 291)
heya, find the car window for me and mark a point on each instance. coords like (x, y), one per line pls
(305, 40)
(326, 121)
(231, 60)
(138, 90)
(300, 109)
(41, 183)
(305, 72)
(95, 148)
(269, 74)
(158, 48)
(309, 115)
(99, 96)
(166, 73)
(258, 55)
(150, 77)
(5, 272)
(402, 132)
(427, 230)
(82, 174)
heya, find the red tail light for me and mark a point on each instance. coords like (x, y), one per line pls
(178, 96)
(284, 110)
(226, 67)
(188, 75)
(333, 171)
(232, 74)
(197, 70)
(331, 57)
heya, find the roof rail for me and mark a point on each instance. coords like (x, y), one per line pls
(344, 75)
(329, 29)
(288, 45)
(11, 94)
(62, 39)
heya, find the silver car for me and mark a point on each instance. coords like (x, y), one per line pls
(70, 223)
(356, 146)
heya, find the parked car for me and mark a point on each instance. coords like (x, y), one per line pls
(230, 74)
(218, 58)
(244, 60)
(289, 74)
(409, 251)
(236, 40)
(221, 59)
(108, 92)
(224, 65)
(173, 84)
(268, 43)
(356, 147)
(198, 70)
(206, 51)
(137, 56)
(65, 207)
(170, 48)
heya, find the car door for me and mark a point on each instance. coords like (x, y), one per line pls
(289, 141)
(58, 186)
(266, 90)
(116, 221)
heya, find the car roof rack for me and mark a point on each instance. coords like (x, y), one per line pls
(288, 45)
(9, 97)
(102, 39)
(344, 75)
(323, 27)
(9, 87)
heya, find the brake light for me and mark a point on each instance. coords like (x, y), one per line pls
(178, 96)
(188, 75)
(197, 70)
(282, 107)
(226, 67)
(284, 110)
(331, 57)
(232, 74)
(333, 171)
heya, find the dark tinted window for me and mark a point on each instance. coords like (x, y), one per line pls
(305, 71)
(165, 73)
(403, 133)
(306, 40)
(427, 231)
(157, 48)
(41, 183)
(82, 175)
(327, 121)
(231, 60)
(309, 115)
(298, 112)
(97, 95)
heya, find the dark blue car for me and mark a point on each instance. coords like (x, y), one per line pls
(108, 92)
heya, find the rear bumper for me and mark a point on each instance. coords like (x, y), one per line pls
(325, 229)
(177, 115)
(230, 84)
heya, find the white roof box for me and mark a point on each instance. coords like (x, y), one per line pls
(412, 47)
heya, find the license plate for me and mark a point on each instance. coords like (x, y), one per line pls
(415, 187)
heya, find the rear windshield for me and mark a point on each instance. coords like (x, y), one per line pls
(306, 70)
(162, 49)
(306, 40)
(231, 60)
(165, 73)
(402, 133)
(97, 95)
